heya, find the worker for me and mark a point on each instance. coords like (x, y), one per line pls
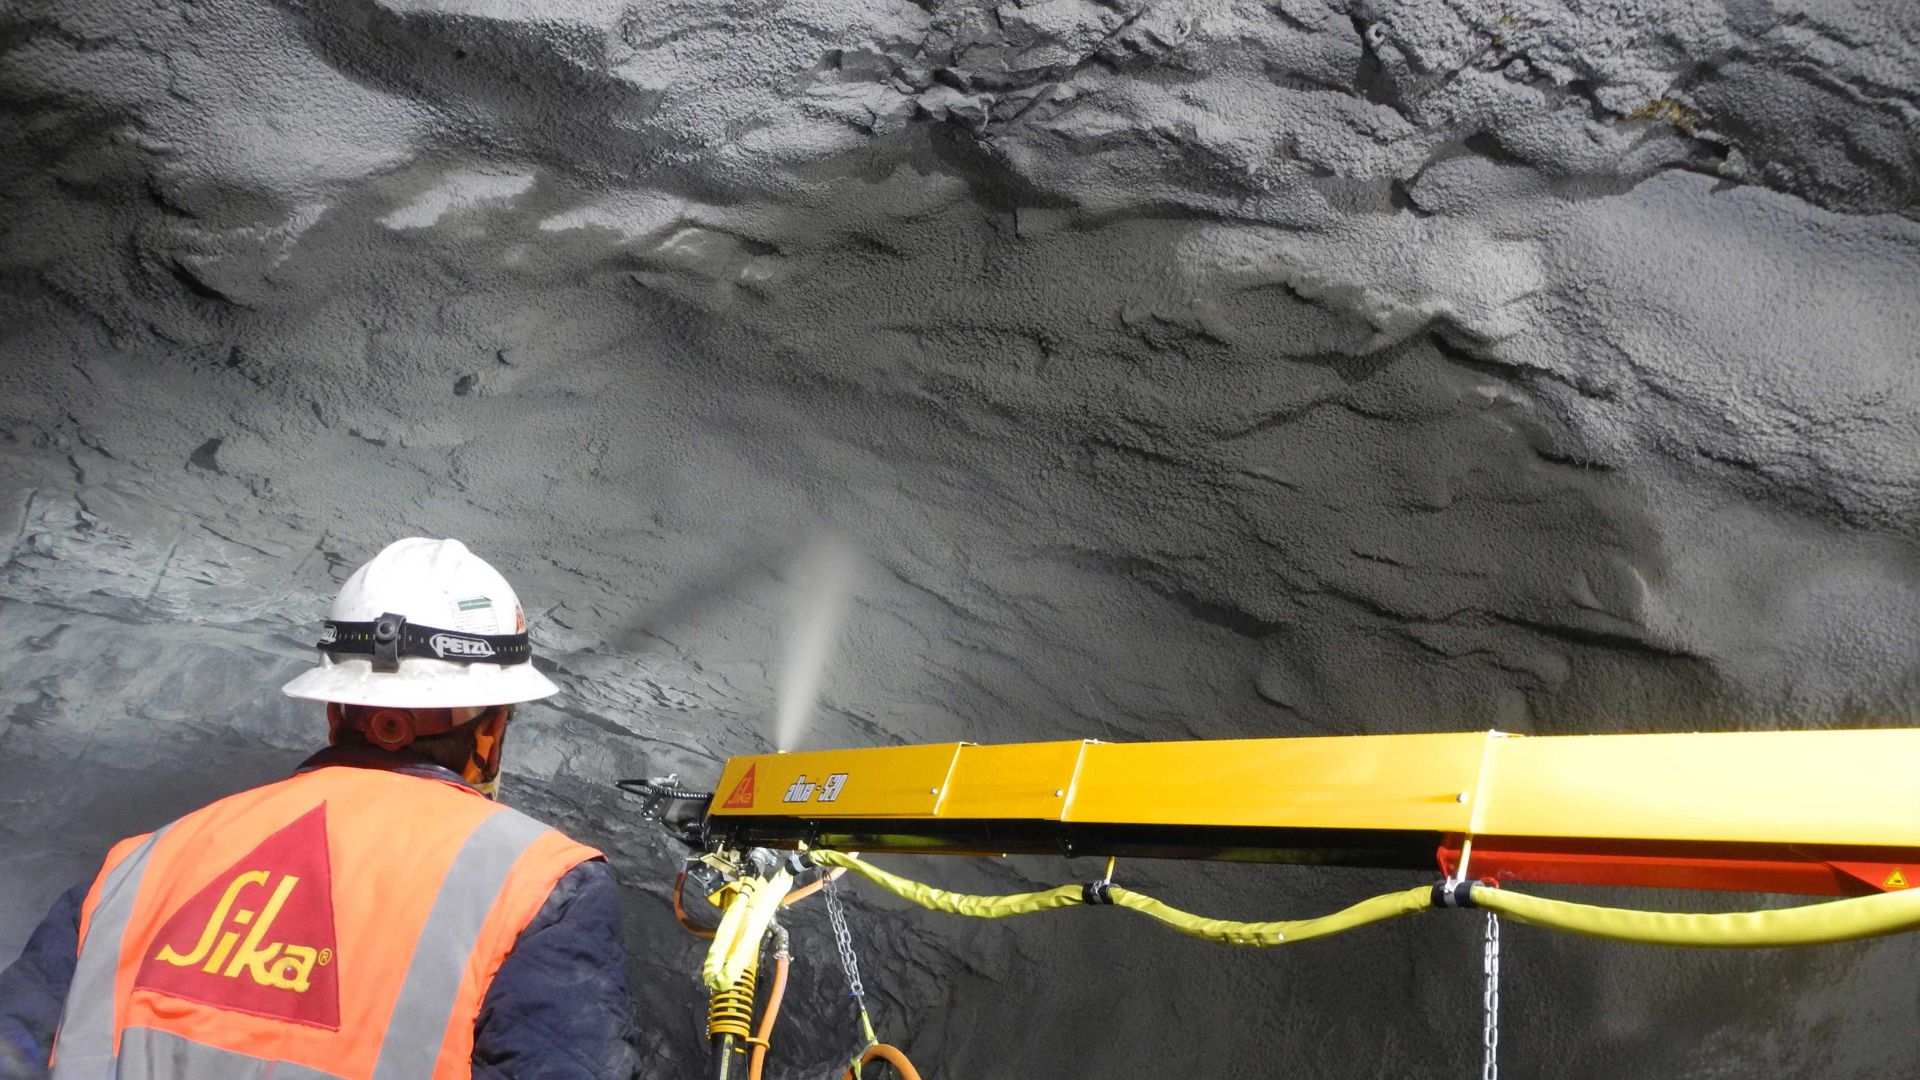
(375, 915)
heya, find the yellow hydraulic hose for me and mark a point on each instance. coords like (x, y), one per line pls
(1376, 909)
(1809, 924)
(736, 941)
(1812, 924)
(979, 907)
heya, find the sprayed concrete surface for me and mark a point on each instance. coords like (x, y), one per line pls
(1176, 368)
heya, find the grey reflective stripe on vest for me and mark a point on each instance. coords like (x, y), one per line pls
(473, 882)
(146, 1054)
(84, 1048)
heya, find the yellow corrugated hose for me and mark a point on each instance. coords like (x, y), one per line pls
(1812, 924)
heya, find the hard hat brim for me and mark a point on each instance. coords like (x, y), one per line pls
(421, 684)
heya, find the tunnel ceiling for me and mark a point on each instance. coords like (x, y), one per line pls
(1176, 368)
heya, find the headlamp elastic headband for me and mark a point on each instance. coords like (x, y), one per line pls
(391, 637)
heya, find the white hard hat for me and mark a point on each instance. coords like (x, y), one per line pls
(424, 624)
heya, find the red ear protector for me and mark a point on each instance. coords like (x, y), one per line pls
(389, 729)
(392, 729)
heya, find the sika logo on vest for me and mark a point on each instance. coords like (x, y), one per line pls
(260, 937)
(289, 967)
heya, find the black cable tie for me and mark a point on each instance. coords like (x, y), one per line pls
(1096, 892)
(1454, 894)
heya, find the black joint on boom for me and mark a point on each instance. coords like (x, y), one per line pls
(1453, 894)
(1096, 892)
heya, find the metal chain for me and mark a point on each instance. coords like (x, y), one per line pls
(1490, 1001)
(843, 940)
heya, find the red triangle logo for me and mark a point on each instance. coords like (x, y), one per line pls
(259, 938)
(742, 797)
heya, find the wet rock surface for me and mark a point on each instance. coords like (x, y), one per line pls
(1179, 369)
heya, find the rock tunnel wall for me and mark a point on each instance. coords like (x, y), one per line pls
(1178, 368)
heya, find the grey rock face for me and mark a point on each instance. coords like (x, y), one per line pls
(1186, 368)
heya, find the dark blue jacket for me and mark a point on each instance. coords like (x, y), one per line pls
(560, 1008)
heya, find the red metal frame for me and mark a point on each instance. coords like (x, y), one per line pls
(1775, 868)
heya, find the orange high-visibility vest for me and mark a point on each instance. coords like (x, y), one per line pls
(343, 924)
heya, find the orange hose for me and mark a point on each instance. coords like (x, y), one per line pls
(686, 921)
(762, 1040)
(891, 1056)
(680, 912)
(811, 887)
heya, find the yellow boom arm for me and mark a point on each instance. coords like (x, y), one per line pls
(1812, 812)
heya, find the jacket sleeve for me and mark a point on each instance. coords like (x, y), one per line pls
(561, 1007)
(33, 990)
